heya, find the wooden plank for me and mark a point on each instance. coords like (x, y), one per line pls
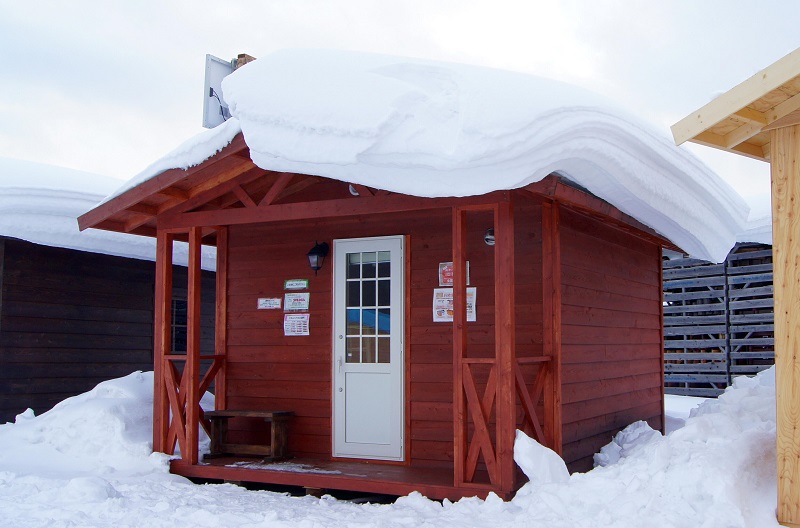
(740, 96)
(694, 343)
(323, 209)
(276, 188)
(158, 184)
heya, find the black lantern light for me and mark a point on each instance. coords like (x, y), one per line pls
(316, 256)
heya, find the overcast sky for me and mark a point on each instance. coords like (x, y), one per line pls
(109, 86)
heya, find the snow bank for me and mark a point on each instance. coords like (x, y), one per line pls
(717, 471)
(434, 129)
(87, 462)
(41, 203)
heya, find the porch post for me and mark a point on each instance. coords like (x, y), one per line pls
(785, 171)
(192, 367)
(221, 320)
(505, 341)
(551, 322)
(459, 344)
(162, 333)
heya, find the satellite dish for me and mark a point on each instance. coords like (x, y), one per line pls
(215, 111)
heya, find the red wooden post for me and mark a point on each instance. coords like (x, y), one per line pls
(459, 343)
(551, 321)
(505, 351)
(162, 331)
(221, 330)
(192, 367)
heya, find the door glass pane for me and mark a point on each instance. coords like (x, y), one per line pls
(353, 265)
(368, 265)
(353, 321)
(352, 351)
(368, 350)
(384, 350)
(353, 293)
(384, 321)
(384, 291)
(368, 322)
(384, 264)
(368, 293)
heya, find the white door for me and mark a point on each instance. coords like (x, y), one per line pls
(368, 366)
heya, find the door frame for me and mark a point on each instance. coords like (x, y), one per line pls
(400, 369)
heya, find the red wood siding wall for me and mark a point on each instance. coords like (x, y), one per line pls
(268, 370)
(611, 355)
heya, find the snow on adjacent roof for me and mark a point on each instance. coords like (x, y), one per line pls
(434, 129)
(759, 230)
(40, 204)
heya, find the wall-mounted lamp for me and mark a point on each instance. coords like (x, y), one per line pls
(316, 256)
(488, 237)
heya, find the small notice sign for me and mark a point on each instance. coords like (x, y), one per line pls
(295, 324)
(296, 302)
(295, 284)
(443, 305)
(446, 273)
(271, 303)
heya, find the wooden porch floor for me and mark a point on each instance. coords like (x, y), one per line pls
(361, 476)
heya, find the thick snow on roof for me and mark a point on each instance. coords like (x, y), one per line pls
(758, 230)
(434, 129)
(40, 204)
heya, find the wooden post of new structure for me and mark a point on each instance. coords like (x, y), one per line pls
(785, 168)
(192, 367)
(162, 333)
(505, 338)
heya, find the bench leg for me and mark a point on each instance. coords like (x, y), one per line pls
(279, 438)
(219, 429)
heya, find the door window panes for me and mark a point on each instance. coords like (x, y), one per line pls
(368, 292)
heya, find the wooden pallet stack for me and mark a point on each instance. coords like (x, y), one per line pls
(718, 320)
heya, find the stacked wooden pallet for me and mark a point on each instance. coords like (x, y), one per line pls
(718, 320)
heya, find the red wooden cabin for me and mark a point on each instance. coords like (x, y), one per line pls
(566, 342)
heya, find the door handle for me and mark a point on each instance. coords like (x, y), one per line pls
(339, 363)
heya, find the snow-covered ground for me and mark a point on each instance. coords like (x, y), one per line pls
(87, 462)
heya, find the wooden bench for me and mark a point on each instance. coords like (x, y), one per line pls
(278, 447)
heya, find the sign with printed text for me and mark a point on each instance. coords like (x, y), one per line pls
(446, 273)
(269, 303)
(295, 324)
(295, 284)
(443, 305)
(296, 302)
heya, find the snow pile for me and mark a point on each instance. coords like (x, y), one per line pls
(678, 409)
(435, 129)
(87, 462)
(41, 203)
(540, 464)
(717, 471)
